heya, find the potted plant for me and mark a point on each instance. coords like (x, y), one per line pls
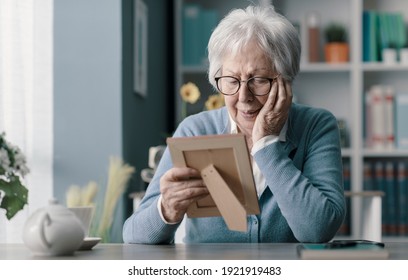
(336, 48)
(13, 193)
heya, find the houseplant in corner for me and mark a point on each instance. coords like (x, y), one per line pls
(13, 194)
(336, 48)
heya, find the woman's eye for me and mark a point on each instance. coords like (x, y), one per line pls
(260, 81)
(232, 81)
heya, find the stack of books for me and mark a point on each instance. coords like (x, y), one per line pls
(386, 113)
(382, 30)
(391, 177)
(197, 26)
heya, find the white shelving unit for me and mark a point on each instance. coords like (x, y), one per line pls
(338, 88)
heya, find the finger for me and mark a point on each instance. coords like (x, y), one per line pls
(289, 92)
(189, 185)
(188, 196)
(181, 173)
(282, 100)
(183, 189)
(273, 95)
(180, 200)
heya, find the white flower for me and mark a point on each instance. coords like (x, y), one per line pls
(12, 166)
(20, 162)
(4, 160)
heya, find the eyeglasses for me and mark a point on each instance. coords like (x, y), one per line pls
(259, 86)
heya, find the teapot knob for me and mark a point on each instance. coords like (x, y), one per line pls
(53, 201)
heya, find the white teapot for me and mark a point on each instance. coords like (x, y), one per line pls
(53, 231)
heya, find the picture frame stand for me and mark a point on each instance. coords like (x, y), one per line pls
(233, 212)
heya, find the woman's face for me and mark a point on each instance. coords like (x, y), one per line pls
(244, 106)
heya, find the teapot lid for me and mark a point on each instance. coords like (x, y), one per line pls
(55, 208)
(53, 201)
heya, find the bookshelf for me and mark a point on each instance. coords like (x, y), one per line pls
(339, 88)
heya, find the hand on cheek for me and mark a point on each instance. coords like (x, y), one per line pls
(275, 111)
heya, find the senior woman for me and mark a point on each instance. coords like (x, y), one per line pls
(254, 57)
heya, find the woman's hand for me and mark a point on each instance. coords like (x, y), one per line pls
(275, 111)
(179, 188)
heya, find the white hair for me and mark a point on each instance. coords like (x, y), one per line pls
(274, 34)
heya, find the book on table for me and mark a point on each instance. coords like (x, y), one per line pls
(343, 250)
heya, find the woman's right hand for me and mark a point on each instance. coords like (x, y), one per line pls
(179, 187)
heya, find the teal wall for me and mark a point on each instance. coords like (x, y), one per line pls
(147, 120)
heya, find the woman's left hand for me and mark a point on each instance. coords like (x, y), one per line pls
(275, 111)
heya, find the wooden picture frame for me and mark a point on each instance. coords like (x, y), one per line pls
(225, 167)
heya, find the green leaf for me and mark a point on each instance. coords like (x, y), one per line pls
(14, 196)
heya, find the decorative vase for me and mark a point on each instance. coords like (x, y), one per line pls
(336, 52)
(404, 56)
(389, 56)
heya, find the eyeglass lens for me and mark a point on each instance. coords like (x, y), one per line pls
(257, 85)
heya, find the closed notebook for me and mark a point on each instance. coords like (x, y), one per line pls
(363, 251)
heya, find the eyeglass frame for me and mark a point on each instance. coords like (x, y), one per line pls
(246, 81)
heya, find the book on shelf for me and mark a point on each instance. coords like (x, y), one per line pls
(402, 194)
(368, 182)
(379, 185)
(384, 33)
(389, 131)
(197, 25)
(190, 34)
(370, 49)
(391, 197)
(401, 117)
(401, 31)
(209, 21)
(380, 117)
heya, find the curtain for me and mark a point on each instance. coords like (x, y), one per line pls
(26, 58)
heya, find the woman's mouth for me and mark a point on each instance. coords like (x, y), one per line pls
(251, 114)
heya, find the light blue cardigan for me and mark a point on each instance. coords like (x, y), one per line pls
(304, 200)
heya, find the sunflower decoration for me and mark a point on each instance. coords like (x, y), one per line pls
(215, 101)
(189, 94)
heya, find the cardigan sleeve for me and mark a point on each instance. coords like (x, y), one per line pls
(309, 189)
(145, 225)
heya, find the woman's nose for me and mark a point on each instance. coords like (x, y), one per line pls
(244, 95)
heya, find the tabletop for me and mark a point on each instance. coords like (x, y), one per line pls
(208, 251)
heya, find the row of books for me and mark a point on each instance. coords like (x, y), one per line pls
(390, 177)
(197, 26)
(385, 115)
(382, 30)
